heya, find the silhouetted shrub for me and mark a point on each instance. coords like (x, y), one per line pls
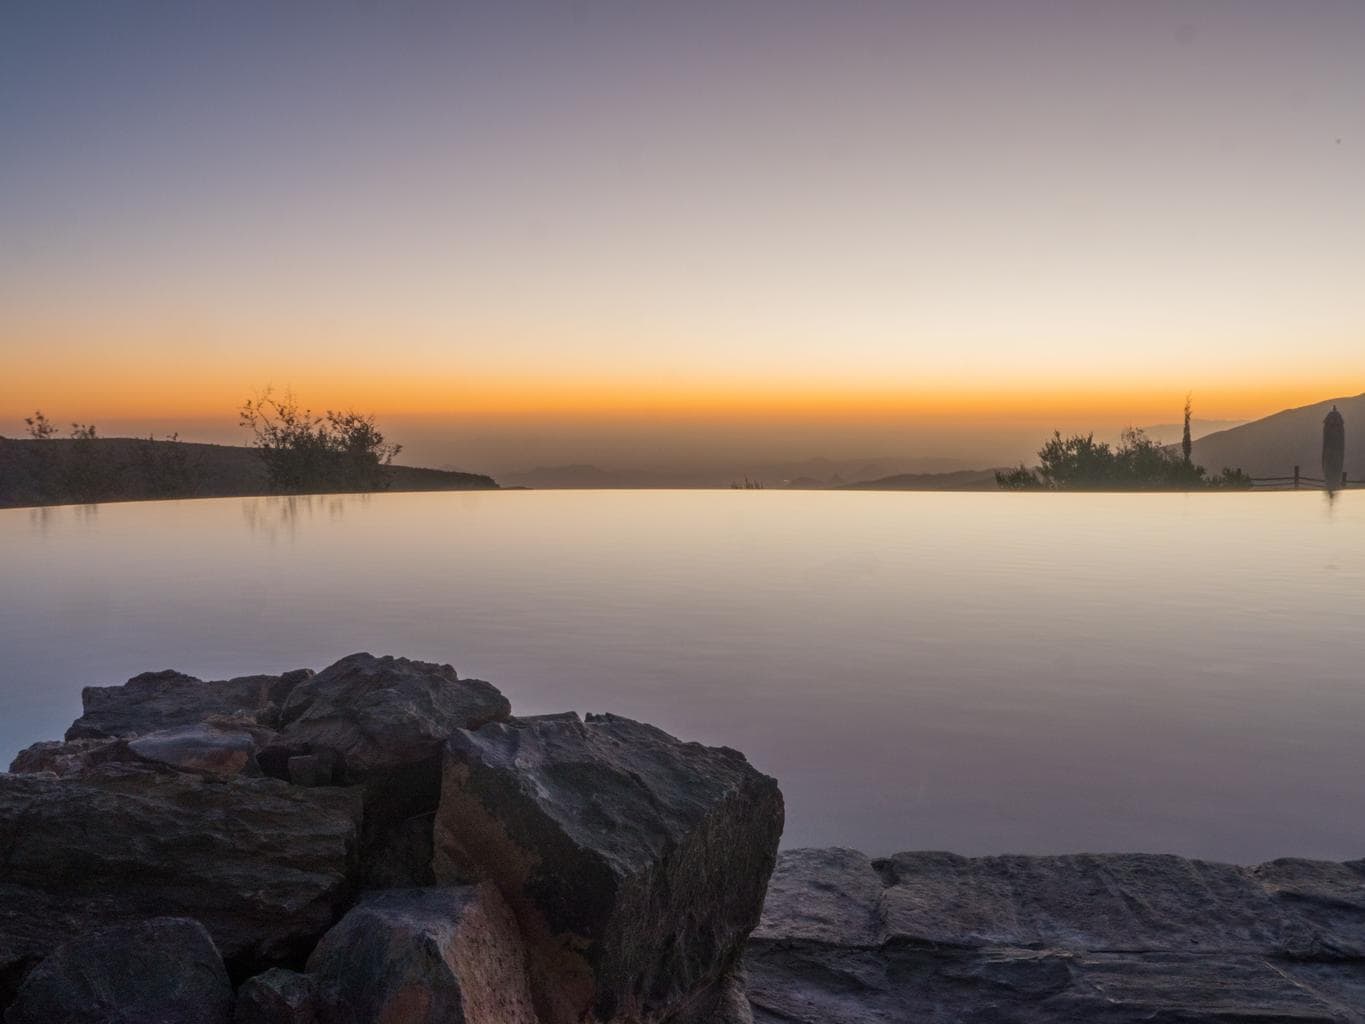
(40, 428)
(1021, 479)
(1080, 463)
(337, 451)
(165, 467)
(1233, 479)
(85, 476)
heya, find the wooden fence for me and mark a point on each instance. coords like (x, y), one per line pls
(1299, 482)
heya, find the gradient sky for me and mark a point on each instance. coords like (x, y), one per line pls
(684, 223)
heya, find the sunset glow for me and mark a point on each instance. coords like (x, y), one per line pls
(805, 213)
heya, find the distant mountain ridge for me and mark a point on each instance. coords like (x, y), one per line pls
(1274, 445)
(1169, 433)
(960, 480)
(809, 474)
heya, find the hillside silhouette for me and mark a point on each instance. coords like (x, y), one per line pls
(1273, 446)
(61, 471)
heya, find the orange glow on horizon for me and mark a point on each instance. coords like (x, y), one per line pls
(505, 398)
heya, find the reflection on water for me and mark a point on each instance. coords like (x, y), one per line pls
(977, 672)
(276, 517)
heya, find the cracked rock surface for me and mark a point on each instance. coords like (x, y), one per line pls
(1114, 938)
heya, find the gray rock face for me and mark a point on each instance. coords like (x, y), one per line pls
(265, 866)
(381, 713)
(424, 956)
(214, 749)
(1117, 938)
(163, 700)
(278, 996)
(636, 864)
(162, 971)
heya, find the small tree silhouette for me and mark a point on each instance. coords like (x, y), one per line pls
(40, 428)
(1186, 441)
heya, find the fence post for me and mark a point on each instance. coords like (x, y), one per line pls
(1296, 478)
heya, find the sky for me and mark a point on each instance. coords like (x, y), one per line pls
(629, 231)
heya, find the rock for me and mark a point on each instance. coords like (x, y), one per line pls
(1130, 902)
(636, 864)
(1329, 898)
(1115, 938)
(200, 748)
(264, 866)
(278, 996)
(308, 770)
(320, 768)
(401, 857)
(423, 956)
(828, 896)
(726, 1002)
(162, 700)
(382, 713)
(162, 971)
(382, 722)
(69, 757)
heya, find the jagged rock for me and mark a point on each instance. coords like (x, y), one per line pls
(830, 896)
(381, 713)
(161, 971)
(382, 722)
(263, 865)
(163, 700)
(636, 863)
(1329, 898)
(424, 956)
(69, 757)
(278, 996)
(1130, 902)
(214, 749)
(1115, 938)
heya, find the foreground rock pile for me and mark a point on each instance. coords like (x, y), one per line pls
(933, 938)
(378, 842)
(384, 843)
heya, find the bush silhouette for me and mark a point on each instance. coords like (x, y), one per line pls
(337, 451)
(1080, 463)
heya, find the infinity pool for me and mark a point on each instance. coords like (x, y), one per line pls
(974, 672)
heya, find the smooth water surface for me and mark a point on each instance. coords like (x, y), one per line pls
(972, 672)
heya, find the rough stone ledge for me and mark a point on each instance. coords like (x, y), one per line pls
(936, 937)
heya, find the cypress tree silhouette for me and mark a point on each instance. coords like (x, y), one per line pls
(1333, 449)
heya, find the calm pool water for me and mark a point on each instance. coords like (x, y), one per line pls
(973, 672)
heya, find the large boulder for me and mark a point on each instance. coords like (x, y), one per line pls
(382, 722)
(424, 956)
(1117, 938)
(161, 971)
(265, 866)
(163, 700)
(636, 863)
(378, 714)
